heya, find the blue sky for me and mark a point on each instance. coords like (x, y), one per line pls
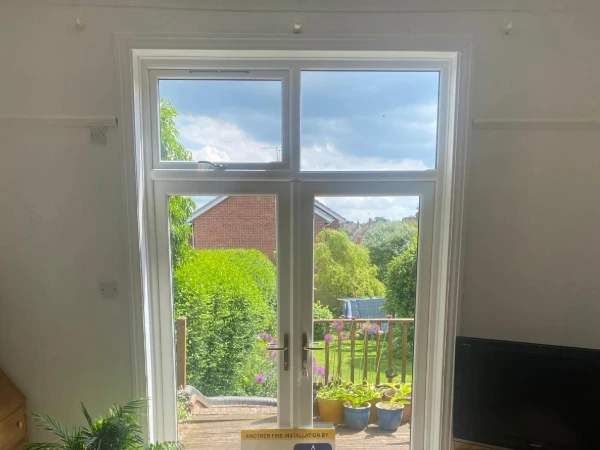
(350, 121)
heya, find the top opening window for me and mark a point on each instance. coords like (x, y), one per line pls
(369, 120)
(223, 119)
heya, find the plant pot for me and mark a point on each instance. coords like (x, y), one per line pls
(373, 416)
(407, 411)
(407, 414)
(389, 419)
(357, 418)
(331, 411)
(316, 387)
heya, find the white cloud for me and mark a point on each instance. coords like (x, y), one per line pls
(361, 208)
(222, 141)
(328, 157)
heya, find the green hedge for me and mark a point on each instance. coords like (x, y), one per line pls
(228, 298)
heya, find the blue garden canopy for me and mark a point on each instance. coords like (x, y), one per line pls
(365, 308)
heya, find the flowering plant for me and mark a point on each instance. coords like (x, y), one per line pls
(357, 394)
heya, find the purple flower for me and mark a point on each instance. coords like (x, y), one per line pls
(374, 329)
(260, 378)
(266, 337)
(319, 370)
(338, 325)
(328, 338)
(273, 355)
(344, 335)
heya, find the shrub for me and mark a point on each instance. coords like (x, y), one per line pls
(184, 405)
(259, 374)
(226, 297)
(320, 312)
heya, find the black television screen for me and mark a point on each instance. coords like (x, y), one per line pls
(526, 396)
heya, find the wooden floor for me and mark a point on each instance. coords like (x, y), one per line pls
(219, 428)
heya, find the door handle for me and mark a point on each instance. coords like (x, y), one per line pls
(305, 349)
(285, 350)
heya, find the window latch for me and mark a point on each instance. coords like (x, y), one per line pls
(214, 165)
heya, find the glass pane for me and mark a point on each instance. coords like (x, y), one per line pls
(365, 292)
(369, 120)
(225, 290)
(220, 120)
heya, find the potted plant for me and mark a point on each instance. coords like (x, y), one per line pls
(119, 430)
(390, 413)
(330, 400)
(404, 392)
(357, 408)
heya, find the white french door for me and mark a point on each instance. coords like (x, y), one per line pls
(304, 196)
(163, 336)
(297, 176)
(295, 287)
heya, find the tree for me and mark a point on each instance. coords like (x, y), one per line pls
(401, 282)
(343, 269)
(180, 208)
(386, 240)
(171, 149)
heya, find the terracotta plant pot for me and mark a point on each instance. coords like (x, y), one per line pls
(331, 411)
(373, 416)
(407, 414)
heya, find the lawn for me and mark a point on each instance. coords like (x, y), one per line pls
(358, 361)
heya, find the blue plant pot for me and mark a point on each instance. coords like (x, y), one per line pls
(389, 419)
(357, 418)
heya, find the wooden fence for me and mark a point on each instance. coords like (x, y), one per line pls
(354, 327)
(181, 336)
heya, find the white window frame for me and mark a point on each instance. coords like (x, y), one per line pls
(221, 70)
(136, 55)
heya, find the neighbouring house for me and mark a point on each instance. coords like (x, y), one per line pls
(247, 222)
(357, 230)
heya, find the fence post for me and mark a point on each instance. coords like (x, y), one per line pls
(365, 350)
(180, 326)
(390, 369)
(352, 347)
(378, 358)
(326, 355)
(404, 349)
(339, 356)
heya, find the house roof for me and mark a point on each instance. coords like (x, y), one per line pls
(329, 211)
(214, 202)
(321, 210)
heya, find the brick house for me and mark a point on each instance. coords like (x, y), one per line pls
(247, 222)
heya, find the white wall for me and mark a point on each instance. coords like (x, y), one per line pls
(532, 247)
